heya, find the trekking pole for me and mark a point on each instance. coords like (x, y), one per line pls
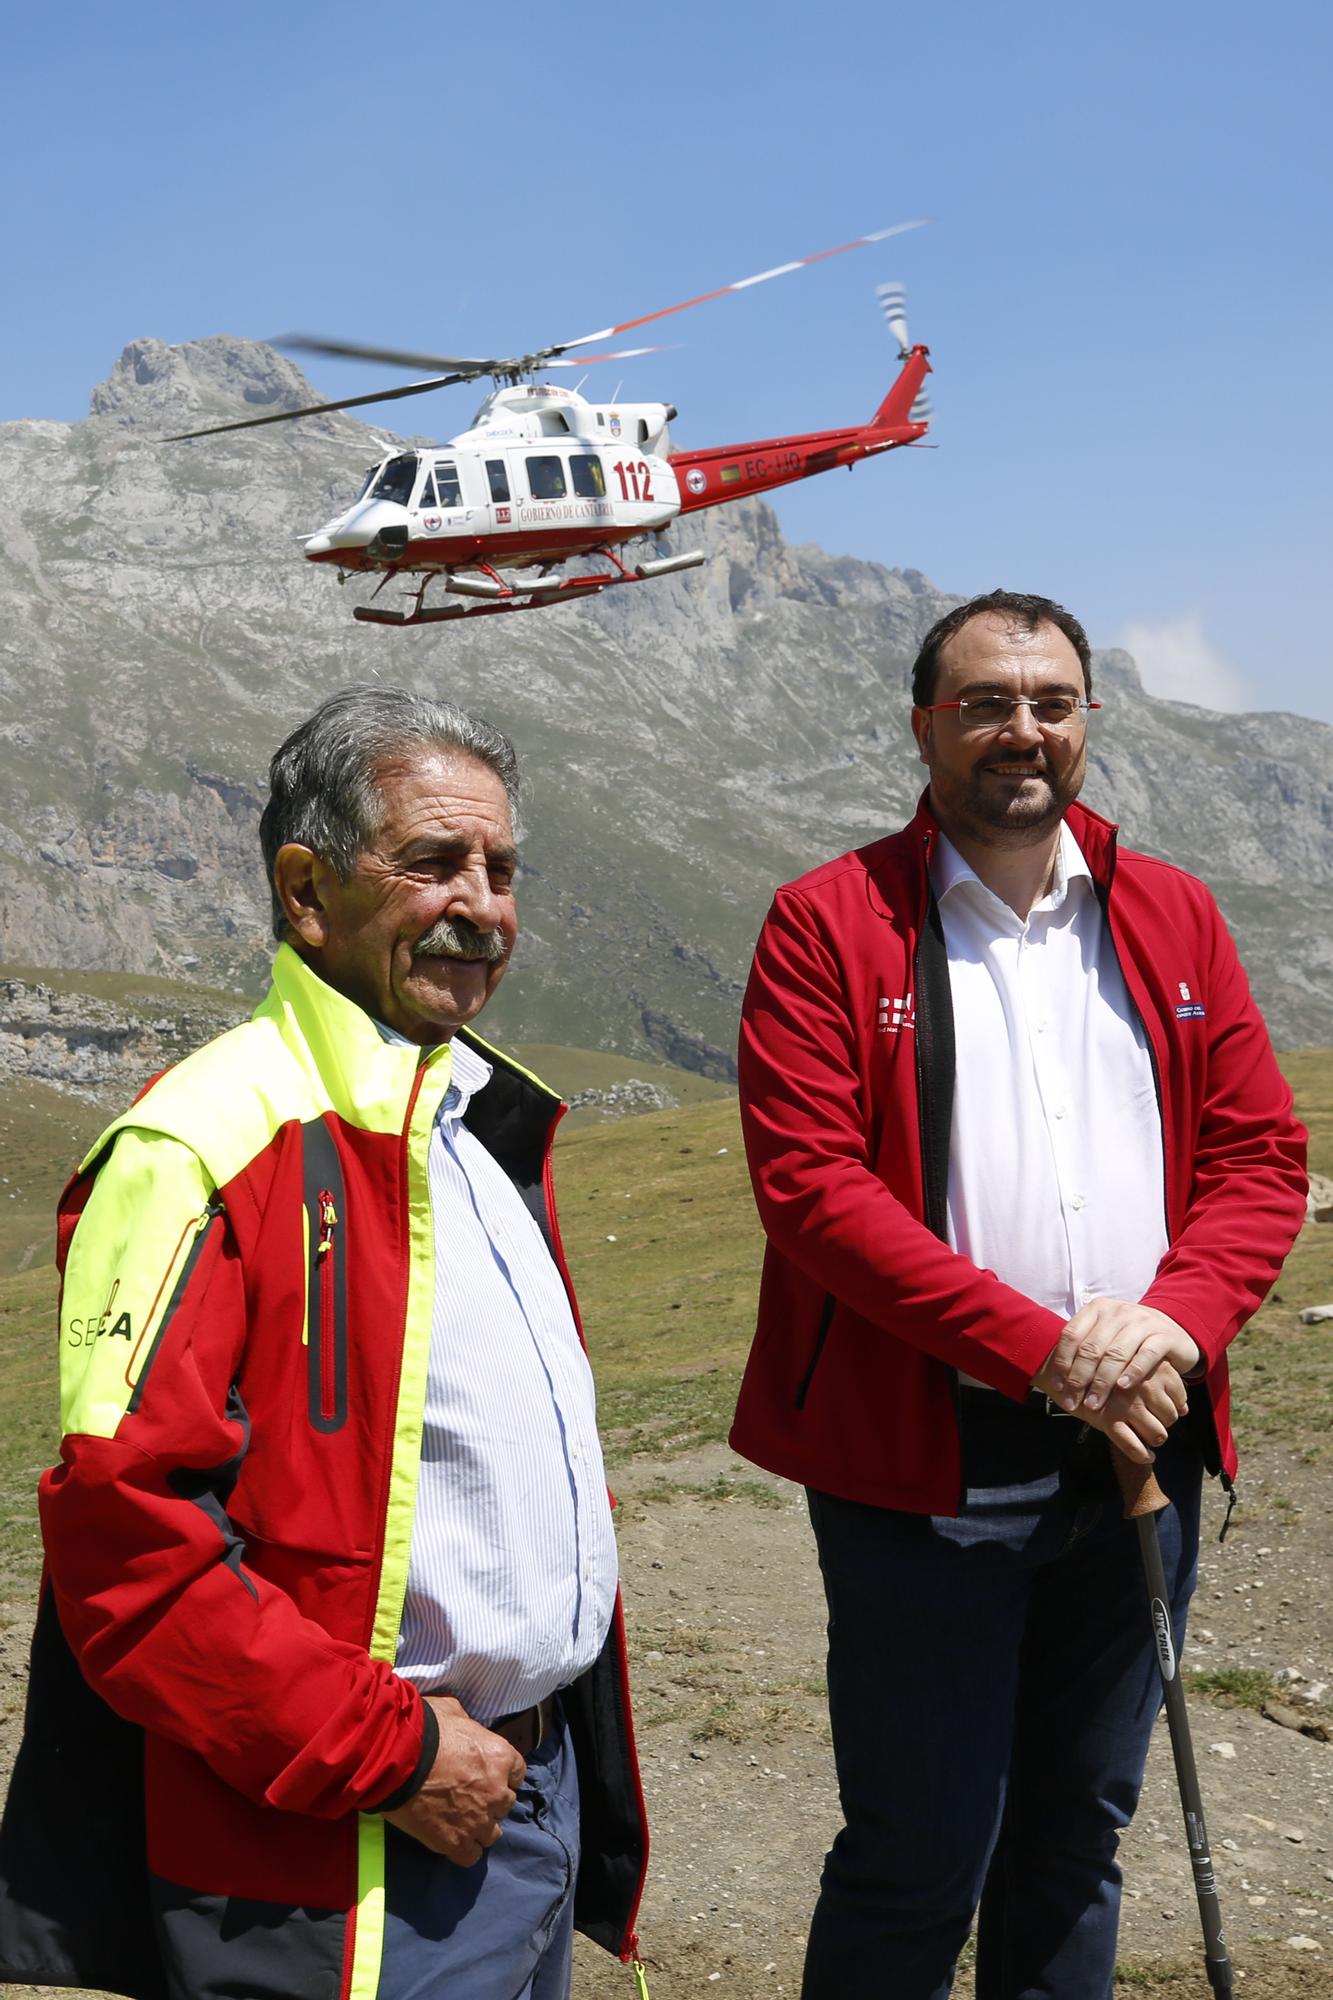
(1144, 1500)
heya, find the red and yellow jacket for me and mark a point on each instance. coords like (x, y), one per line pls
(244, 1326)
(866, 1316)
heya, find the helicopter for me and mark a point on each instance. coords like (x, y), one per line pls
(543, 478)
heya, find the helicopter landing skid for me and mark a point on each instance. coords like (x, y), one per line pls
(530, 596)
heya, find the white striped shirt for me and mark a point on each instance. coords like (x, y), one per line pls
(512, 1568)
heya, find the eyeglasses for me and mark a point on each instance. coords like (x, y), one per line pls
(996, 711)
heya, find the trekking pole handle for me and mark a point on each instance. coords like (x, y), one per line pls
(1138, 1487)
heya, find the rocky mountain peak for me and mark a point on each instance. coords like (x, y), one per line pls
(217, 380)
(1112, 667)
(689, 743)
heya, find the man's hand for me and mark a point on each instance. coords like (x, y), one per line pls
(1112, 1344)
(1138, 1420)
(468, 1790)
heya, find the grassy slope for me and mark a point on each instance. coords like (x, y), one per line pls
(662, 1238)
(132, 990)
(43, 1134)
(573, 1070)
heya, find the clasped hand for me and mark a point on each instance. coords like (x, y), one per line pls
(468, 1790)
(1120, 1367)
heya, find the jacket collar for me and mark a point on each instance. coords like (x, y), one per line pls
(1095, 835)
(368, 1080)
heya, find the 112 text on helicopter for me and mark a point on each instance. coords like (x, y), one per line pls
(544, 478)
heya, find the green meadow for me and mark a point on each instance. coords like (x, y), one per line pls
(662, 1239)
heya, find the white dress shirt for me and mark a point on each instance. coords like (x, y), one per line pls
(512, 1568)
(1055, 1150)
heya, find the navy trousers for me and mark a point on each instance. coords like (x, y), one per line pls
(992, 1690)
(502, 1929)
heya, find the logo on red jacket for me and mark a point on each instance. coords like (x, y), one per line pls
(895, 1014)
(1189, 1009)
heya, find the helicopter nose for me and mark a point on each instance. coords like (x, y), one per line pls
(319, 545)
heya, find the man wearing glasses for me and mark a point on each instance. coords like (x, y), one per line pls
(1022, 1153)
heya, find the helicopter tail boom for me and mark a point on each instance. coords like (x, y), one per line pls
(728, 472)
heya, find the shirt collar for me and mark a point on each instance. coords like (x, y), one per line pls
(949, 871)
(468, 1071)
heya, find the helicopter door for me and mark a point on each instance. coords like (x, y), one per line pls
(439, 501)
(497, 475)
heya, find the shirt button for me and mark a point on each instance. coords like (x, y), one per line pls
(1078, 1201)
(1057, 1111)
(574, 1450)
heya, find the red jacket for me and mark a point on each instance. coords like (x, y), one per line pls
(214, 1722)
(846, 1080)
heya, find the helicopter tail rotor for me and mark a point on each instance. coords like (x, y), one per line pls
(893, 304)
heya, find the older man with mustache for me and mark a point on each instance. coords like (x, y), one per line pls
(1020, 1145)
(330, 1669)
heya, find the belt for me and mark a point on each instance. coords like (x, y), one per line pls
(527, 1727)
(980, 1396)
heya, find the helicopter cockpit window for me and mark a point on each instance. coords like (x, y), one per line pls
(397, 480)
(589, 479)
(446, 481)
(499, 478)
(546, 478)
(364, 487)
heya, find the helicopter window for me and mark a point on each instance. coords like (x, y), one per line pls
(426, 497)
(446, 479)
(589, 479)
(546, 477)
(643, 431)
(397, 480)
(499, 478)
(364, 487)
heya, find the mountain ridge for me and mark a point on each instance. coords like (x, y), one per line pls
(687, 745)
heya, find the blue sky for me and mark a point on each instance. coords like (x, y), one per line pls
(1126, 286)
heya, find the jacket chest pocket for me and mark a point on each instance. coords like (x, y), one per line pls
(326, 1281)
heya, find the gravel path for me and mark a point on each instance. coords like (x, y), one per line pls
(726, 1631)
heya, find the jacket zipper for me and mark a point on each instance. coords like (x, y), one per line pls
(934, 1169)
(1200, 1408)
(328, 1346)
(325, 1201)
(203, 1230)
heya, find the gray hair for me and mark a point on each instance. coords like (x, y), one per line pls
(324, 790)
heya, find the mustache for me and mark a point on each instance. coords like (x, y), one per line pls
(457, 938)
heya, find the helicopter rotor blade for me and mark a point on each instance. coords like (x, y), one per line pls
(346, 350)
(617, 354)
(893, 304)
(740, 285)
(319, 409)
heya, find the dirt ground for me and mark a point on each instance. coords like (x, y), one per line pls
(726, 1632)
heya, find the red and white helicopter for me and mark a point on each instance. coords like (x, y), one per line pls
(544, 477)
